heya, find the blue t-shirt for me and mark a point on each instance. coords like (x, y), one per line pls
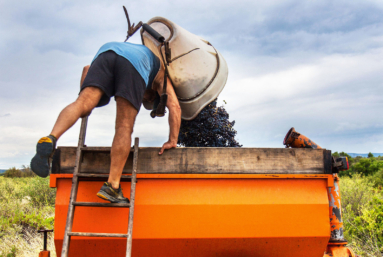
(146, 63)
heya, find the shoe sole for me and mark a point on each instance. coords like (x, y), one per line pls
(40, 162)
(103, 195)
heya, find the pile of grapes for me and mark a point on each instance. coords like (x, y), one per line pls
(211, 128)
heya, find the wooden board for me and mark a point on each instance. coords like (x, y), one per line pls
(197, 160)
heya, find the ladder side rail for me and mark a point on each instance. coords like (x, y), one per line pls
(73, 194)
(132, 198)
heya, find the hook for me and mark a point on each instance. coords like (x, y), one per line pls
(131, 28)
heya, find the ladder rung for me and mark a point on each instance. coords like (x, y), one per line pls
(102, 176)
(89, 204)
(96, 234)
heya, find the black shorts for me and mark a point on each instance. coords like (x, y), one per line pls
(115, 76)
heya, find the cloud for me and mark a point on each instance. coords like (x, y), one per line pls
(314, 65)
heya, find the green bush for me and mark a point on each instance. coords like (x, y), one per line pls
(359, 165)
(362, 215)
(356, 192)
(377, 179)
(19, 173)
(40, 193)
(367, 166)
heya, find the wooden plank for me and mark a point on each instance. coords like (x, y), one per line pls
(89, 204)
(97, 234)
(196, 160)
(97, 149)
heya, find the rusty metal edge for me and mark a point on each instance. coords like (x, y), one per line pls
(56, 162)
(327, 163)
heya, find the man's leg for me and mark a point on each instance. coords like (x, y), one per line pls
(126, 115)
(88, 99)
(85, 103)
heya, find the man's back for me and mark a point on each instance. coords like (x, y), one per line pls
(146, 63)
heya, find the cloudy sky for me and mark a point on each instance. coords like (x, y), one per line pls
(313, 65)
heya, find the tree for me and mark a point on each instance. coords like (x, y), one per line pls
(350, 159)
(211, 128)
(370, 155)
(13, 172)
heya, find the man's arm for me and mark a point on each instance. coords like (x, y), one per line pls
(174, 118)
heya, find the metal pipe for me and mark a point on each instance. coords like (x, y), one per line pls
(336, 246)
(336, 222)
(294, 139)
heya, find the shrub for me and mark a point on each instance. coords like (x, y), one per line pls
(367, 166)
(19, 173)
(362, 215)
(377, 179)
(364, 166)
(40, 193)
(13, 173)
(356, 192)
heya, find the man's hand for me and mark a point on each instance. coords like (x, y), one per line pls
(167, 145)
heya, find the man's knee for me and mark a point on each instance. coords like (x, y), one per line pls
(88, 100)
(85, 106)
(124, 127)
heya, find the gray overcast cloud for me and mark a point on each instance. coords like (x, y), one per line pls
(314, 65)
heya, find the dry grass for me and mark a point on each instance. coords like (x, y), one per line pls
(26, 205)
(28, 243)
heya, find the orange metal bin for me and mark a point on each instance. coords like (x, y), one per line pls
(204, 215)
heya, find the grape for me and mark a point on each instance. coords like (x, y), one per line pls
(211, 128)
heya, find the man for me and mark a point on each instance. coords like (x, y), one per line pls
(125, 71)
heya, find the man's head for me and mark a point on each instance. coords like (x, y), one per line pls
(151, 94)
(155, 47)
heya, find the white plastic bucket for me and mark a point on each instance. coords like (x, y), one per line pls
(198, 71)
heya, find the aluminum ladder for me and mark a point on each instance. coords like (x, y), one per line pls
(91, 177)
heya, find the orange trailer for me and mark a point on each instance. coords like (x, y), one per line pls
(208, 202)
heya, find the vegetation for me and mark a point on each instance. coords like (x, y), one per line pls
(19, 173)
(211, 128)
(26, 205)
(362, 202)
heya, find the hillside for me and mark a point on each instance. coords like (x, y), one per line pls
(365, 155)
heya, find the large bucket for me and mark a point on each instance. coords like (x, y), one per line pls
(198, 71)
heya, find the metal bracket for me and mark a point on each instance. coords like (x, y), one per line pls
(339, 163)
(45, 231)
